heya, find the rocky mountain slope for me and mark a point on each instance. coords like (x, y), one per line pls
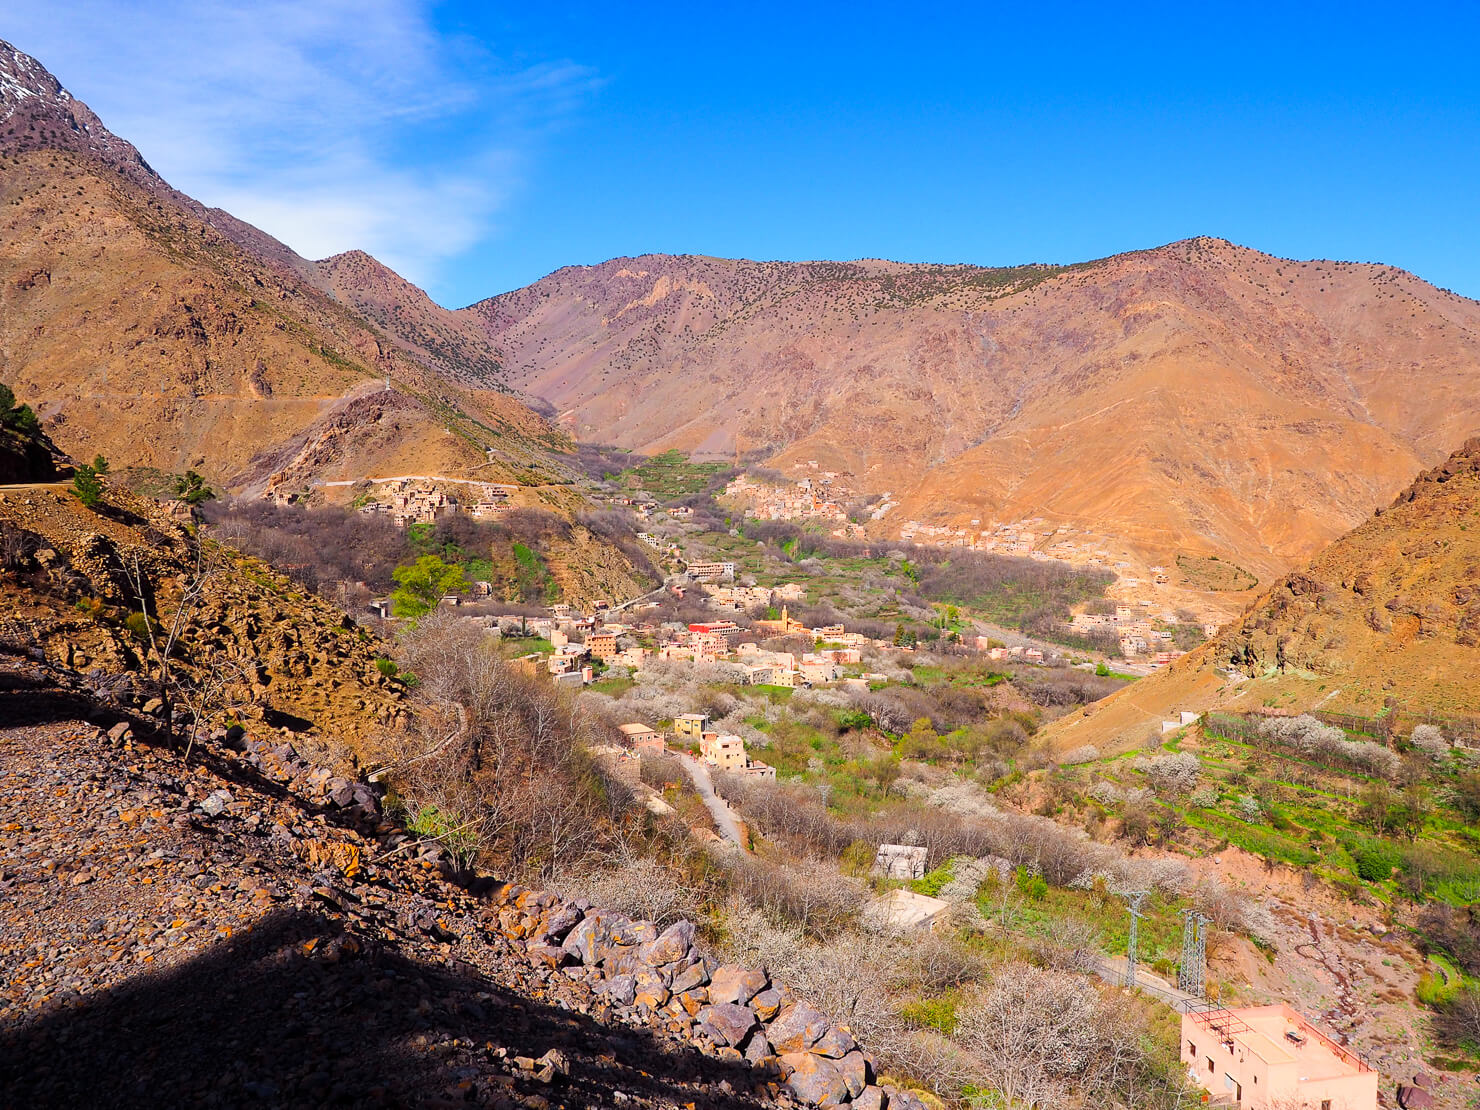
(1386, 619)
(1176, 399)
(146, 327)
(75, 582)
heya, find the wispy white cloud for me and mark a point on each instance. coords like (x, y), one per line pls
(332, 124)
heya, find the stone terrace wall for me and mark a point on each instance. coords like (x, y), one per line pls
(731, 1012)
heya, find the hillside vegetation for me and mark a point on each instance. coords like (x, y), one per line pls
(1383, 624)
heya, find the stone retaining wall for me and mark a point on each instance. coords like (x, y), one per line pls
(730, 1012)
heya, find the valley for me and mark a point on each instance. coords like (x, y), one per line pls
(700, 682)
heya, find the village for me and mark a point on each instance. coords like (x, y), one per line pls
(410, 501)
(1147, 596)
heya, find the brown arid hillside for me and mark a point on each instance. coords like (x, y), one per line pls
(164, 335)
(1385, 620)
(454, 341)
(76, 581)
(1177, 400)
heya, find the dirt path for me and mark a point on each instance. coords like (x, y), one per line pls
(724, 817)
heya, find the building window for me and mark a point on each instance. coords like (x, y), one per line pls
(1192, 1049)
(1325, 1104)
(1211, 1067)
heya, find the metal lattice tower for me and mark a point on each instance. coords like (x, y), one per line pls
(1136, 897)
(1193, 973)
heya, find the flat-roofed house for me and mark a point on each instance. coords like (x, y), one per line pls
(643, 740)
(755, 769)
(691, 725)
(723, 750)
(903, 910)
(602, 645)
(1269, 1057)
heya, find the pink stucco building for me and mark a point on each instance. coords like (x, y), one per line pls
(1271, 1058)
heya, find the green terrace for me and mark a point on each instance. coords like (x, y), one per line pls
(1356, 830)
(671, 476)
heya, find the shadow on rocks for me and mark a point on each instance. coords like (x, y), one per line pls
(295, 1013)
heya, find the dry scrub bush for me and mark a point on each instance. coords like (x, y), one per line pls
(811, 895)
(499, 756)
(1043, 1037)
(794, 815)
(640, 887)
(1068, 944)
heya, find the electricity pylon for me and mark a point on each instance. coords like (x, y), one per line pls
(1136, 898)
(1192, 975)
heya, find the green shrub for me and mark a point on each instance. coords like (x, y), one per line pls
(446, 828)
(1434, 991)
(857, 859)
(931, 882)
(422, 584)
(191, 488)
(87, 482)
(933, 1013)
(1375, 862)
(387, 667)
(138, 624)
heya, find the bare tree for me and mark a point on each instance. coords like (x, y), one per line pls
(494, 761)
(1042, 1036)
(204, 694)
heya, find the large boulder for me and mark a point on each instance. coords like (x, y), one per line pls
(562, 920)
(855, 1072)
(732, 983)
(768, 1003)
(732, 1022)
(690, 978)
(652, 992)
(758, 1049)
(814, 1079)
(836, 1042)
(797, 1028)
(621, 990)
(670, 946)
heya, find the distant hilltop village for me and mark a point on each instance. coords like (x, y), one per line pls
(417, 501)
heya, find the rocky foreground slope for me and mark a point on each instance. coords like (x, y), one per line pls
(1384, 622)
(243, 928)
(75, 583)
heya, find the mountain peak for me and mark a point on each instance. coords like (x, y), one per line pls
(36, 113)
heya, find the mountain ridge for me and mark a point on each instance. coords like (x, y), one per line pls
(1383, 622)
(1067, 393)
(142, 325)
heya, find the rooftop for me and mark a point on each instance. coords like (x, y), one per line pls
(1279, 1035)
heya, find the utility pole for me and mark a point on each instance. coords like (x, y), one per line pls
(1192, 975)
(1136, 898)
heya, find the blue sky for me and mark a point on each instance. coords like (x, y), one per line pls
(476, 147)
